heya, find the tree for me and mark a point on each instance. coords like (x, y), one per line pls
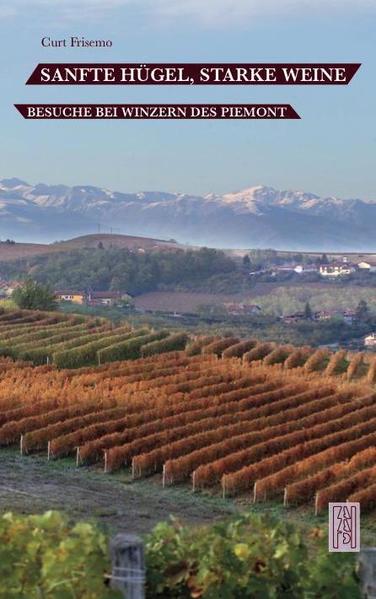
(308, 311)
(362, 311)
(33, 296)
(324, 259)
(246, 261)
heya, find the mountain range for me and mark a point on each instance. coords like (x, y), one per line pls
(252, 218)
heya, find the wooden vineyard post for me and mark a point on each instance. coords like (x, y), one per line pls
(21, 445)
(367, 572)
(128, 566)
(317, 503)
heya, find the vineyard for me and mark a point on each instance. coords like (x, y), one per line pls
(246, 418)
(77, 341)
(344, 365)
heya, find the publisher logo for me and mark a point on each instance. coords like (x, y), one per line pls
(344, 527)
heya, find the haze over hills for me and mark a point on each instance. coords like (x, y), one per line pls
(255, 217)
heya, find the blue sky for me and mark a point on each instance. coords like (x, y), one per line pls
(331, 151)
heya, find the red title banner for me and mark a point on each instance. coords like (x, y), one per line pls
(192, 74)
(157, 111)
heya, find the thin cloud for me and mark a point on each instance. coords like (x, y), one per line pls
(70, 9)
(241, 9)
(7, 11)
(207, 11)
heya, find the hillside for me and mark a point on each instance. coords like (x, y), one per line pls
(116, 241)
(258, 216)
(16, 251)
(248, 418)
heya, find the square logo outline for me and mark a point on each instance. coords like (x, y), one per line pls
(344, 527)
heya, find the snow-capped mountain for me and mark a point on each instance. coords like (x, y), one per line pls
(254, 217)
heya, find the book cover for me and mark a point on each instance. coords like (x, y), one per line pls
(187, 299)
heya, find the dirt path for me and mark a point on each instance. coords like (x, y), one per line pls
(31, 485)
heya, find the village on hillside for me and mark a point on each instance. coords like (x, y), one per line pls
(270, 272)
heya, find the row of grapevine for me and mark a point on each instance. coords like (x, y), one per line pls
(198, 420)
(344, 364)
(225, 441)
(129, 349)
(305, 490)
(77, 341)
(176, 407)
(262, 464)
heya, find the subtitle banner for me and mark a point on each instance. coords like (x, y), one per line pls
(157, 111)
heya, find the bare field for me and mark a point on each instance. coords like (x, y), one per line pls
(181, 301)
(189, 301)
(34, 485)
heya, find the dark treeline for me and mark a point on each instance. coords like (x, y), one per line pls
(122, 270)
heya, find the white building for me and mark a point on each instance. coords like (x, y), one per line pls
(370, 340)
(301, 269)
(336, 269)
(366, 267)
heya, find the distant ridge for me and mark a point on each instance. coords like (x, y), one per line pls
(116, 240)
(258, 216)
(17, 251)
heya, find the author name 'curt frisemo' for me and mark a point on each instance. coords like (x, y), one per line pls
(74, 42)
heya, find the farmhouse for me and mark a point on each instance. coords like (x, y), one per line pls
(67, 295)
(104, 298)
(325, 314)
(336, 269)
(348, 315)
(366, 266)
(301, 269)
(370, 340)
